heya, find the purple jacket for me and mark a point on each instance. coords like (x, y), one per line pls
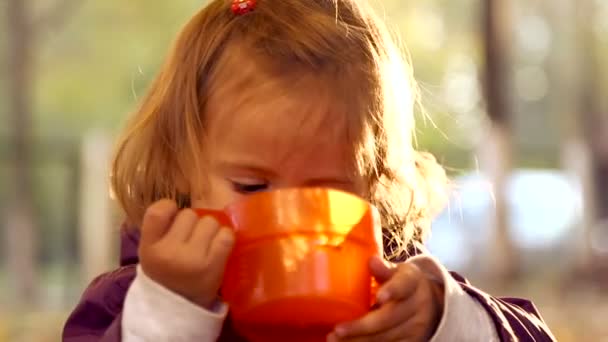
(97, 317)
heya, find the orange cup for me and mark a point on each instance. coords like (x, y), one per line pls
(300, 262)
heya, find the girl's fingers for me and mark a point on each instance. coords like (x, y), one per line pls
(380, 270)
(385, 318)
(219, 250)
(202, 236)
(182, 227)
(406, 332)
(157, 221)
(402, 285)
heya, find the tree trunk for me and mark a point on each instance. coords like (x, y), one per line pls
(497, 85)
(594, 114)
(20, 227)
(565, 80)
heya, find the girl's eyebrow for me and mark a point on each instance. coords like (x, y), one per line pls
(247, 166)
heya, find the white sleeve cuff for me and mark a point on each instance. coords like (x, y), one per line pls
(464, 319)
(153, 313)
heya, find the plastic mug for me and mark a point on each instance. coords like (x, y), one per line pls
(300, 262)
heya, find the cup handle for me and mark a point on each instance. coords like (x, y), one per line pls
(222, 218)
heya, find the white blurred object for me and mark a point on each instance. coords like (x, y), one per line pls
(96, 231)
(544, 206)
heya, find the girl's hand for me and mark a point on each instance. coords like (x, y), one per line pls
(184, 253)
(411, 306)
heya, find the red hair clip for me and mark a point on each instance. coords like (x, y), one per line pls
(240, 7)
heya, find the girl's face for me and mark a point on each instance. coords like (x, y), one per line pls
(269, 142)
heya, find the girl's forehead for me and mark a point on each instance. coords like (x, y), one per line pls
(255, 108)
(274, 120)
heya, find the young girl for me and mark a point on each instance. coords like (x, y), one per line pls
(266, 95)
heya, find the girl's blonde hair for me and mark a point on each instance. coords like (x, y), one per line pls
(342, 43)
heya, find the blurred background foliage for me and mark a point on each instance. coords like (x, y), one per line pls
(72, 70)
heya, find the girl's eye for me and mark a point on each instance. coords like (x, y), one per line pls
(248, 188)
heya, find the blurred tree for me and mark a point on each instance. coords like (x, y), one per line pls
(101, 62)
(594, 127)
(20, 227)
(565, 79)
(23, 28)
(496, 18)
